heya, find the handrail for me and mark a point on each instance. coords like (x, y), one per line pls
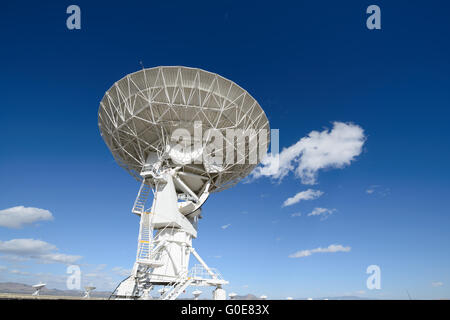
(174, 284)
(198, 271)
(112, 294)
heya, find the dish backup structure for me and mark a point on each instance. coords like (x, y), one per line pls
(184, 133)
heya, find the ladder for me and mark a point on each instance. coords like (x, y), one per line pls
(178, 288)
(152, 257)
(149, 247)
(141, 199)
(145, 238)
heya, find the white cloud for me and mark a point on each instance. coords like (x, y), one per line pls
(330, 248)
(101, 280)
(58, 258)
(319, 150)
(41, 251)
(323, 212)
(100, 267)
(17, 217)
(19, 272)
(25, 247)
(370, 191)
(303, 195)
(377, 189)
(437, 284)
(225, 226)
(121, 271)
(14, 259)
(297, 214)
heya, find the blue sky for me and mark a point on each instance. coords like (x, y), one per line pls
(308, 65)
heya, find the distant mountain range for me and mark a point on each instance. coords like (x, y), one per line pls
(20, 288)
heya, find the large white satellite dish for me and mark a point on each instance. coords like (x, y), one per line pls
(159, 124)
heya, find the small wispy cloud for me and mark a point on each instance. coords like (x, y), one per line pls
(296, 214)
(324, 213)
(100, 267)
(330, 249)
(377, 189)
(19, 272)
(225, 226)
(17, 217)
(309, 194)
(436, 284)
(121, 271)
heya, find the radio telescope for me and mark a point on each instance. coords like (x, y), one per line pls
(87, 291)
(232, 296)
(196, 294)
(174, 130)
(38, 287)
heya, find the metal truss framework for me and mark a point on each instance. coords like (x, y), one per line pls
(139, 113)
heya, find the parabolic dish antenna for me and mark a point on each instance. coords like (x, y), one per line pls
(196, 294)
(38, 287)
(232, 296)
(139, 113)
(184, 133)
(87, 291)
